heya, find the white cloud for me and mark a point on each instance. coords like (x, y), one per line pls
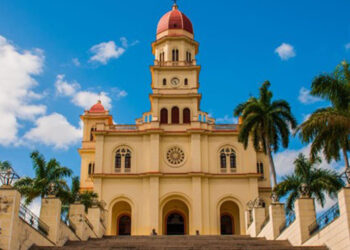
(86, 99)
(285, 159)
(17, 69)
(76, 62)
(54, 130)
(105, 51)
(285, 51)
(306, 98)
(65, 88)
(119, 93)
(226, 119)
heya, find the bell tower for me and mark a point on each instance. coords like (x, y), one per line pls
(175, 98)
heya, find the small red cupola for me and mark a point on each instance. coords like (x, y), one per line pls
(174, 20)
(97, 108)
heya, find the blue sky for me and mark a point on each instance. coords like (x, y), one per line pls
(48, 42)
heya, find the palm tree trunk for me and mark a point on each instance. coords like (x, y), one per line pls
(346, 159)
(272, 165)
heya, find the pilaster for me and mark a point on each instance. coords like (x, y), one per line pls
(197, 205)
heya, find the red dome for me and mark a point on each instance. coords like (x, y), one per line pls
(174, 19)
(97, 108)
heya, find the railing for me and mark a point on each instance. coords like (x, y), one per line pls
(326, 218)
(33, 220)
(267, 219)
(250, 219)
(65, 219)
(123, 127)
(290, 218)
(225, 126)
(174, 63)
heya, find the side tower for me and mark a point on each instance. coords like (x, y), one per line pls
(91, 118)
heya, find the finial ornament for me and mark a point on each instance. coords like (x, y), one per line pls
(175, 4)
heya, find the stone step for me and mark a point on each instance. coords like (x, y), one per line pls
(184, 242)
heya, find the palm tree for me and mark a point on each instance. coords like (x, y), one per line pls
(87, 198)
(267, 122)
(46, 173)
(329, 128)
(313, 182)
(5, 165)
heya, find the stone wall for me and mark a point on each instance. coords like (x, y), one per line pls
(335, 235)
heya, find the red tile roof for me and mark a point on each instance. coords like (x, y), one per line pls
(174, 19)
(97, 108)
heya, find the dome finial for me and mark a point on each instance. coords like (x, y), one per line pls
(175, 5)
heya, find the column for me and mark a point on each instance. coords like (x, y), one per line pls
(258, 219)
(305, 214)
(77, 217)
(277, 218)
(10, 200)
(50, 214)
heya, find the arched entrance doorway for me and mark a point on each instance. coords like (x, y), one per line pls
(175, 218)
(229, 218)
(121, 219)
(124, 225)
(226, 224)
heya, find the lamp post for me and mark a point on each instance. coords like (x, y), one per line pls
(7, 177)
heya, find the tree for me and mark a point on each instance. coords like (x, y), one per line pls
(87, 198)
(266, 122)
(5, 165)
(46, 173)
(313, 182)
(329, 128)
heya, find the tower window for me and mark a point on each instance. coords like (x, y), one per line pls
(175, 115)
(163, 116)
(175, 55)
(186, 81)
(118, 162)
(91, 168)
(164, 82)
(161, 57)
(186, 116)
(232, 160)
(188, 57)
(260, 168)
(91, 134)
(127, 162)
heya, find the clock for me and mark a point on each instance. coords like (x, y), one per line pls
(175, 81)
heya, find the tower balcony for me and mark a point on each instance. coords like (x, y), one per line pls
(175, 63)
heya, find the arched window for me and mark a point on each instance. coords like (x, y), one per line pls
(163, 116)
(186, 115)
(186, 81)
(200, 117)
(164, 82)
(223, 162)
(175, 55)
(175, 115)
(228, 160)
(233, 160)
(127, 162)
(118, 161)
(123, 160)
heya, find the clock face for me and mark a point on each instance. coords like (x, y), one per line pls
(175, 81)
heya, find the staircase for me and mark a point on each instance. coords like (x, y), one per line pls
(239, 242)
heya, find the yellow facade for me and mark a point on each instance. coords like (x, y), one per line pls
(174, 171)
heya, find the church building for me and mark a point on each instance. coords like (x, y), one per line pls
(175, 171)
